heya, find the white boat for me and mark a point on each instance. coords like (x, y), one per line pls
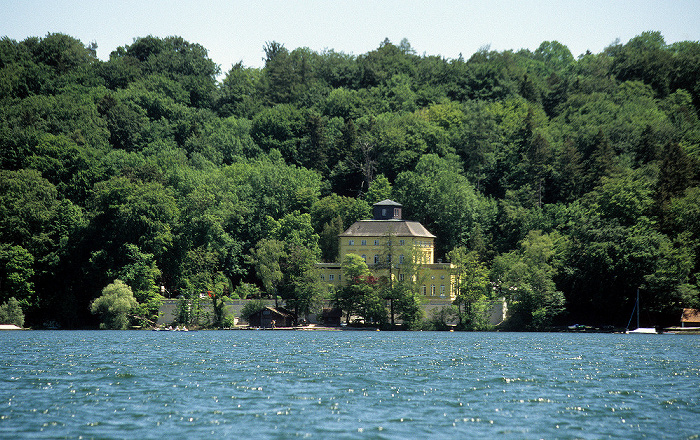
(643, 330)
(639, 330)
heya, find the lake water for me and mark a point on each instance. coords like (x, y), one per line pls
(347, 384)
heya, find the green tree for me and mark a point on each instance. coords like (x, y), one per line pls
(438, 196)
(626, 196)
(266, 258)
(406, 275)
(142, 274)
(114, 306)
(471, 283)
(246, 291)
(301, 288)
(360, 293)
(294, 229)
(555, 55)
(525, 279)
(181, 61)
(16, 273)
(379, 190)
(239, 92)
(11, 313)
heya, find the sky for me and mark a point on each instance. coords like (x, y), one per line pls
(236, 30)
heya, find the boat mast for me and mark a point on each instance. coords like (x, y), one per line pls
(637, 306)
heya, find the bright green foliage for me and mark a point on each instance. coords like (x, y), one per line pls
(288, 270)
(11, 313)
(443, 200)
(524, 277)
(246, 291)
(114, 306)
(349, 209)
(404, 294)
(16, 272)
(626, 197)
(471, 282)
(301, 288)
(379, 190)
(294, 229)
(238, 92)
(266, 257)
(354, 267)
(685, 213)
(360, 295)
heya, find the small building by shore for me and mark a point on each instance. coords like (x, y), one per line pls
(272, 317)
(690, 318)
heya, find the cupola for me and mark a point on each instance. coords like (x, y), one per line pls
(386, 210)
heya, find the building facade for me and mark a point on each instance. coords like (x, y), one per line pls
(393, 248)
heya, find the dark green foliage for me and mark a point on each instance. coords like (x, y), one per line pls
(144, 168)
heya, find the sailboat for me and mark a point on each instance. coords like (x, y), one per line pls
(639, 330)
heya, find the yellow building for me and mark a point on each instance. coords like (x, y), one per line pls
(388, 243)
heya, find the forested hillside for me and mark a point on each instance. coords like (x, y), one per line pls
(575, 181)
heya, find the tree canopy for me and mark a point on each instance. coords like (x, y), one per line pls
(574, 180)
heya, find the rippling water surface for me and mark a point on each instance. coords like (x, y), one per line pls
(345, 384)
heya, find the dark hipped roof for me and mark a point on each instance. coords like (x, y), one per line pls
(378, 228)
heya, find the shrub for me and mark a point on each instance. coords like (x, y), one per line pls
(11, 313)
(114, 305)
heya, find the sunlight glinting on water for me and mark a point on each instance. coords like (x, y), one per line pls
(347, 385)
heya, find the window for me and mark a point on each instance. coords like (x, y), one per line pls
(432, 290)
(383, 212)
(364, 242)
(397, 212)
(376, 259)
(388, 258)
(425, 291)
(351, 242)
(401, 277)
(376, 242)
(401, 258)
(364, 258)
(323, 277)
(442, 290)
(402, 242)
(331, 277)
(442, 277)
